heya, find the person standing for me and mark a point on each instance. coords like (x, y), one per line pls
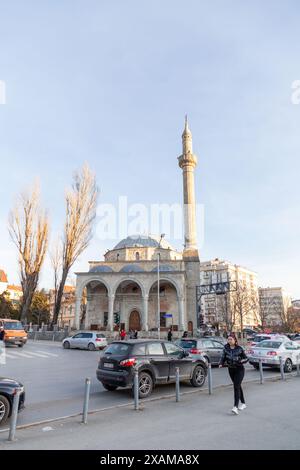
(170, 334)
(234, 357)
(2, 333)
(123, 334)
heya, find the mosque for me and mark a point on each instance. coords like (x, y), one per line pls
(143, 283)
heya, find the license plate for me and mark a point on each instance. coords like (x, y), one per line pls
(108, 365)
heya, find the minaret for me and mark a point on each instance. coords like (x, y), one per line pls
(188, 161)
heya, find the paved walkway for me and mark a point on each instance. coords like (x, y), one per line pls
(198, 421)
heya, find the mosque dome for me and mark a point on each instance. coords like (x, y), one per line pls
(139, 241)
(101, 269)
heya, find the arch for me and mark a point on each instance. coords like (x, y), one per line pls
(171, 281)
(128, 279)
(80, 287)
(135, 320)
(190, 326)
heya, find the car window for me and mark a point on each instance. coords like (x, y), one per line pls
(173, 350)
(189, 344)
(207, 343)
(258, 339)
(269, 344)
(98, 335)
(289, 345)
(87, 335)
(79, 335)
(155, 349)
(139, 350)
(217, 345)
(118, 349)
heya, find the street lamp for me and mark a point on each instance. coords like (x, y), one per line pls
(158, 298)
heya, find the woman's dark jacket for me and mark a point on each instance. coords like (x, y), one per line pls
(233, 357)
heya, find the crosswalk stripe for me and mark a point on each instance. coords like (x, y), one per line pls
(38, 354)
(48, 353)
(10, 356)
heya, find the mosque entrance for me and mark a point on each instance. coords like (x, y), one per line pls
(135, 321)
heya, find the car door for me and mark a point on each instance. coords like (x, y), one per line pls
(207, 346)
(159, 360)
(292, 350)
(218, 351)
(178, 359)
(75, 341)
(85, 340)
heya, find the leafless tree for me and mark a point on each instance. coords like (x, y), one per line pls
(29, 231)
(81, 203)
(244, 302)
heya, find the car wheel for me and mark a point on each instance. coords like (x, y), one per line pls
(110, 388)
(91, 347)
(288, 366)
(4, 409)
(256, 366)
(66, 345)
(198, 377)
(145, 385)
(20, 345)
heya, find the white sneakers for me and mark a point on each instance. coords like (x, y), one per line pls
(242, 406)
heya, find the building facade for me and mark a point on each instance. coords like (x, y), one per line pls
(66, 315)
(235, 309)
(143, 283)
(274, 305)
(3, 281)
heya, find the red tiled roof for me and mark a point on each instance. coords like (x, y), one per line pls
(3, 276)
(16, 288)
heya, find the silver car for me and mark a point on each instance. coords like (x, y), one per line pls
(90, 340)
(209, 348)
(270, 351)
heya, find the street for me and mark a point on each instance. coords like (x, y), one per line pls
(54, 381)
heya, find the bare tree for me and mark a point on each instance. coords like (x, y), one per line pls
(244, 302)
(29, 231)
(56, 261)
(81, 203)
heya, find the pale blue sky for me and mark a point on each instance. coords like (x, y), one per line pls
(109, 82)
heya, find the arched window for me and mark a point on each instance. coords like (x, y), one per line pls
(118, 254)
(137, 256)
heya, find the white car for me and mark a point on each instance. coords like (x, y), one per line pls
(90, 340)
(265, 336)
(270, 351)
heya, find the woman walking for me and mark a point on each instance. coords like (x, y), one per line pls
(234, 357)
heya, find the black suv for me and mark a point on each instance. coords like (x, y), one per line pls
(7, 393)
(156, 362)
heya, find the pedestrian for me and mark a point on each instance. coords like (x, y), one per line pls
(234, 357)
(185, 333)
(170, 334)
(2, 333)
(135, 334)
(123, 334)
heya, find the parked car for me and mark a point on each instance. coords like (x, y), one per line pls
(7, 392)
(90, 340)
(155, 361)
(209, 348)
(270, 351)
(264, 337)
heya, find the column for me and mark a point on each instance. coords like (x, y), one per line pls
(77, 312)
(182, 320)
(145, 313)
(111, 301)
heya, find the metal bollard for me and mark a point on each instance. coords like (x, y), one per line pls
(177, 384)
(209, 379)
(261, 372)
(281, 368)
(86, 400)
(14, 415)
(298, 365)
(136, 389)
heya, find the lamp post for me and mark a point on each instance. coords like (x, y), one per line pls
(158, 298)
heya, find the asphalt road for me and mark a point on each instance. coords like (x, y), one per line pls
(54, 380)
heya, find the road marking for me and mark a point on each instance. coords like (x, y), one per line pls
(10, 356)
(38, 354)
(46, 352)
(24, 355)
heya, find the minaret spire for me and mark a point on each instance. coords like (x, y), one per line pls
(187, 162)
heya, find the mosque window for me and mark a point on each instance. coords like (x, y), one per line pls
(137, 256)
(118, 254)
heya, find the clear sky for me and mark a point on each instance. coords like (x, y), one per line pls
(109, 82)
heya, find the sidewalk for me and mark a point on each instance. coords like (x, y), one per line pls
(198, 421)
